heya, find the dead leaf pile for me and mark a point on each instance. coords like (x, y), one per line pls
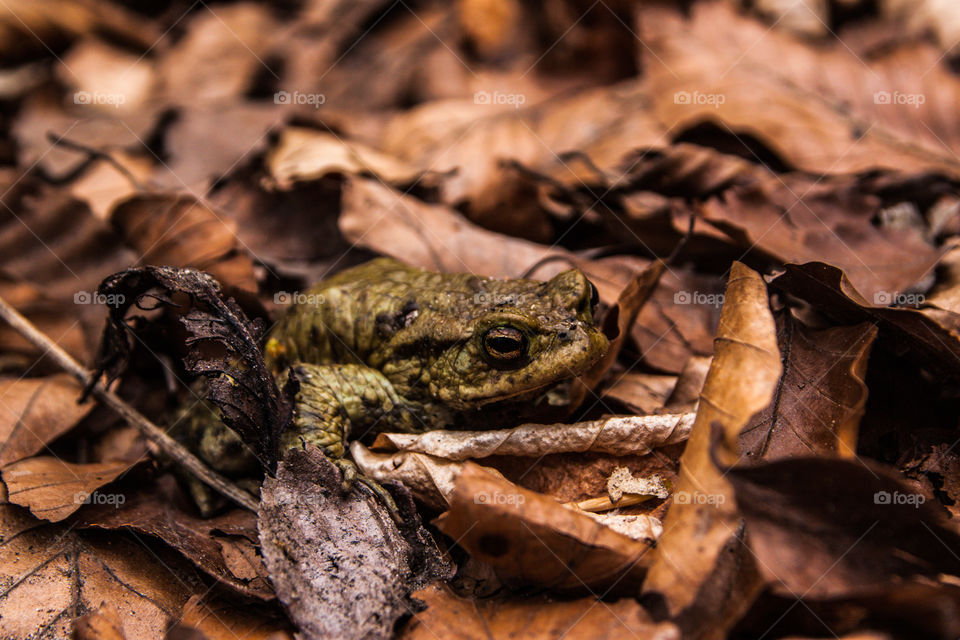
(765, 194)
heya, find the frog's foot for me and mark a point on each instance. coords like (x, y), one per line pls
(352, 476)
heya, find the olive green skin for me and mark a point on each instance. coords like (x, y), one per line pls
(388, 347)
(423, 336)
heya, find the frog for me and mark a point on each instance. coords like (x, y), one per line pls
(388, 347)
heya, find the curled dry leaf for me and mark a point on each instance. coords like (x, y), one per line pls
(53, 489)
(449, 615)
(902, 330)
(529, 538)
(620, 435)
(338, 563)
(305, 154)
(35, 411)
(821, 397)
(698, 565)
(430, 479)
(52, 573)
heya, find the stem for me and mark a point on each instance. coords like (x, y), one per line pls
(159, 437)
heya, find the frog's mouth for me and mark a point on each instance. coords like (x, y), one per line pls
(554, 392)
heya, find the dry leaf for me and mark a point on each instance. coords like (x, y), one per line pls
(35, 411)
(529, 538)
(696, 567)
(53, 489)
(52, 574)
(223, 546)
(621, 435)
(337, 561)
(821, 397)
(448, 615)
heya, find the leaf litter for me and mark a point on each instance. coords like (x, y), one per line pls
(763, 194)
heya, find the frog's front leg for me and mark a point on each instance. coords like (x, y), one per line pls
(337, 402)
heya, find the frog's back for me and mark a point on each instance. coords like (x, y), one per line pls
(341, 318)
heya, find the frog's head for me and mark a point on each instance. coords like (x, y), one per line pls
(516, 340)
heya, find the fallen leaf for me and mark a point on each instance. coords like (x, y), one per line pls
(621, 435)
(53, 489)
(449, 615)
(223, 546)
(902, 330)
(529, 538)
(35, 411)
(697, 568)
(102, 624)
(180, 231)
(337, 561)
(821, 397)
(52, 574)
(218, 620)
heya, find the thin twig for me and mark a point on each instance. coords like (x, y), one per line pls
(167, 444)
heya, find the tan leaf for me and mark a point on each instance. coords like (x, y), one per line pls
(448, 615)
(701, 525)
(34, 411)
(306, 154)
(53, 573)
(101, 624)
(219, 620)
(53, 489)
(619, 435)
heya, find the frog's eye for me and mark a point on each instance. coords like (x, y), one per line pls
(594, 300)
(505, 344)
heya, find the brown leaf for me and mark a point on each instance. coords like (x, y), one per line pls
(798, 220)
(223, 546)
(101, 624)
(448, 615)
(823, 109)
(53, 489)
(218, 620)
(35, 411)
(821, 397)
(887, 533)
(182, 232)
(902, 330)
(530, 538)
(53, 574)
(695, 568)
